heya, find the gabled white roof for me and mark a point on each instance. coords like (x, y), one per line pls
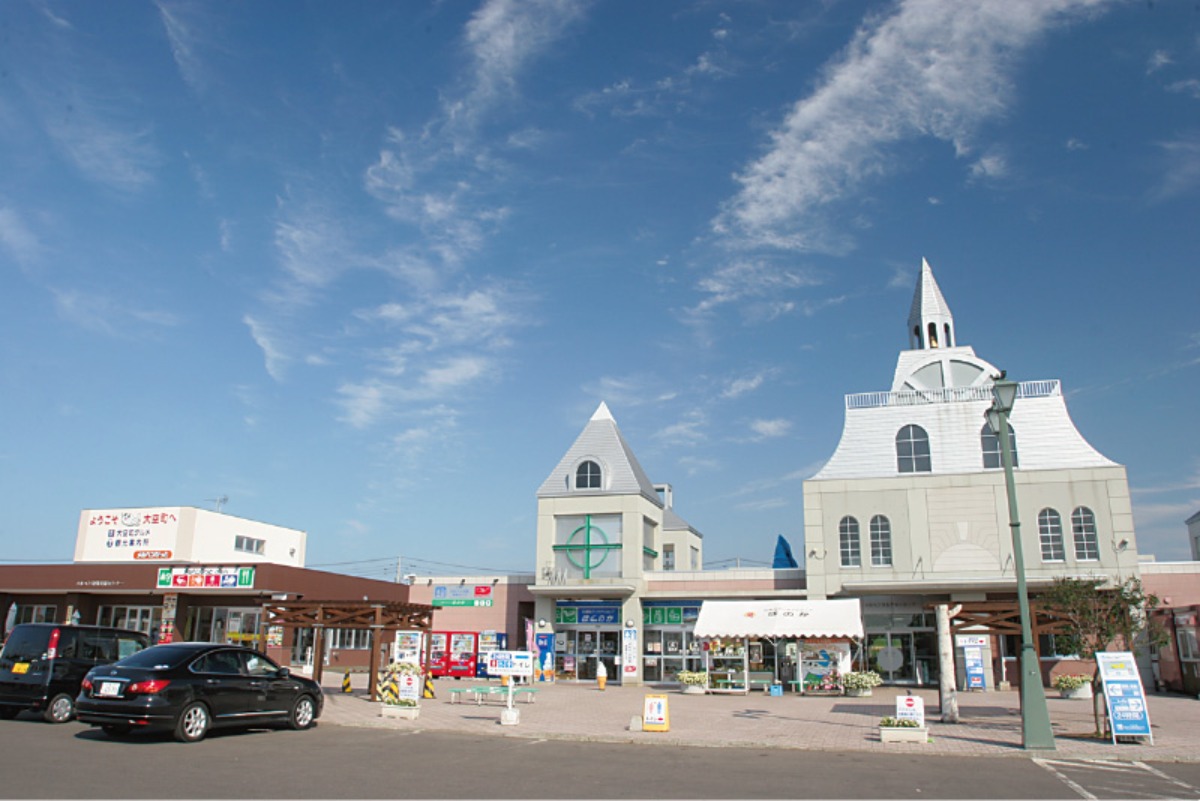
(928, 302)
(601, 442)
(787, 619)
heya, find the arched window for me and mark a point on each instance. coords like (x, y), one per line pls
(587, 476)
(881, 542)
(917, 337)
(912, 450)
(1050, 532)
(848, 542)
(933, 340)
(1087, 544)
(989, 443)
(949, 338)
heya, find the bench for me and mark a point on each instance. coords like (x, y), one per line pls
(487, 691)
(457, 692)
(530, 692)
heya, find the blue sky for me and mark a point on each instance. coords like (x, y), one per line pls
(366, 269)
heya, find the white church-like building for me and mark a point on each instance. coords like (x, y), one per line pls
(911, 509)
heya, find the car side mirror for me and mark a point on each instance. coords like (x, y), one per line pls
(283, 672)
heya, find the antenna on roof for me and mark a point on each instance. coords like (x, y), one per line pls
(220, 502)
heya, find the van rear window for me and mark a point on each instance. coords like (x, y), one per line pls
(27, 644)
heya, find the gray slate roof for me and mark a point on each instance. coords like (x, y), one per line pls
(601, 441)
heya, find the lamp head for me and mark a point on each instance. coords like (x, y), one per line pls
(1004, 394)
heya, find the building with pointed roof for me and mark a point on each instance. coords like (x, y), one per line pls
(911, 509)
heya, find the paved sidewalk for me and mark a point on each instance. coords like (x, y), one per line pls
(991, 722)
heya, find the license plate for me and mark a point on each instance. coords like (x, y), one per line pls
(20, 667)
(110, 688)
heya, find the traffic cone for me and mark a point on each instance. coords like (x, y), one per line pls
(429, 686)
(346, 682)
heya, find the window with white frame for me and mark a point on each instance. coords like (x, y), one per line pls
(881, 541)
(989, 443)
(1087, 543)
(1188, 649)
(349, 639)
(848, 544)
(668, 556)
(912, 450)
(1050, 533)
(37, 613)
(587, 475)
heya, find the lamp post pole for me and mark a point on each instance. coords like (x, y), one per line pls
(1036, 733)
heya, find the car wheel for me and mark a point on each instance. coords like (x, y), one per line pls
(304, 711)
(116, 730)
(60, 709)
(8, 713)
(192, 724)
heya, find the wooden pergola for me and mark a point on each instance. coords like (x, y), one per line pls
(1004, 617)
(377, 616)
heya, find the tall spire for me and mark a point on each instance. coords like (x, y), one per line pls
(930, 323)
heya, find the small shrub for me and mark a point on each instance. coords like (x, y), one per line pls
(898, 723)
(861, 680)
(1070, 681)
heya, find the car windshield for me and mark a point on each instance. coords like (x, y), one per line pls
(26, 644)
(159, 657)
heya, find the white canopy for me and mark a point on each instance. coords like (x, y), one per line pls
(780, 619)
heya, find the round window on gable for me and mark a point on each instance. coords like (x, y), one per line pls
(587, 476)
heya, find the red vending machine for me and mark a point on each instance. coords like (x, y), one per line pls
(439, 654)
(462, 654)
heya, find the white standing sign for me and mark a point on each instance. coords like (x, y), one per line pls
(910, 707)
(510, 663)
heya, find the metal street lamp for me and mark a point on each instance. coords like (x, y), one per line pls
(1036, 733)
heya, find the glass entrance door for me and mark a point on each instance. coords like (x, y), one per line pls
(891, 656)
(589, 647)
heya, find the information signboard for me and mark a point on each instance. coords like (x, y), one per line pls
(655, 715)
(1123, 695)
(510, 663)
(910, 707)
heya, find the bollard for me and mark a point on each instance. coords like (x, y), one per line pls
(428, 692)
(346, 682)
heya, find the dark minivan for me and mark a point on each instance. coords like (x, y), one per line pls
(43, 664)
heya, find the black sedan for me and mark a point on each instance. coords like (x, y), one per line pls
(190, 687)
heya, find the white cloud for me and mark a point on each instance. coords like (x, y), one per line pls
(1076, 144)
(97, 311)
(17, 238)
(179, 22)
(688, 431)
(989, 167)
(1181, 169)
(771, 429)
(1158, 59)
(1191, 86)
(503, 36)
(931, 69)
(740, 386)
(275, 358)
(116, 153)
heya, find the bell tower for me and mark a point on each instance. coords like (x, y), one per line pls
(930, 323)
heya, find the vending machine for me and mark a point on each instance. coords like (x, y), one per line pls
(407, 647)
(489, 641)
(439, 654)
(461, 657)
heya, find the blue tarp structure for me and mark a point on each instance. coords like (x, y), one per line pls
(783, 555)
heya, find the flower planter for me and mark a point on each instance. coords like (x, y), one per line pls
(399, 712)
(859, 692)
(692, 689)
(1079, 692)
(903, 734)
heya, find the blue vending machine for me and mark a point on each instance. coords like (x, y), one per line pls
(489, 641)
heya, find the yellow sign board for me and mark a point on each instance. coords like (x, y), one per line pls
(655, 715)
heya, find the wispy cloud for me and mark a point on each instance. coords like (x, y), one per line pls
(1181, 169)
(183, 29)
(1158, 59)
(889, 86)
(105, 314)
(690, 430)
(771, 429)
(17, 238)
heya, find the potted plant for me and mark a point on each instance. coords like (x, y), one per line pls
(693, 682)
(389, 682)
(900, 730)
(861, 683)
(1073, 685)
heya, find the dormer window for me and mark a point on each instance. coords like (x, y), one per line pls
(587, 476)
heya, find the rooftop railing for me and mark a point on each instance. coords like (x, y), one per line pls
(920, 397)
